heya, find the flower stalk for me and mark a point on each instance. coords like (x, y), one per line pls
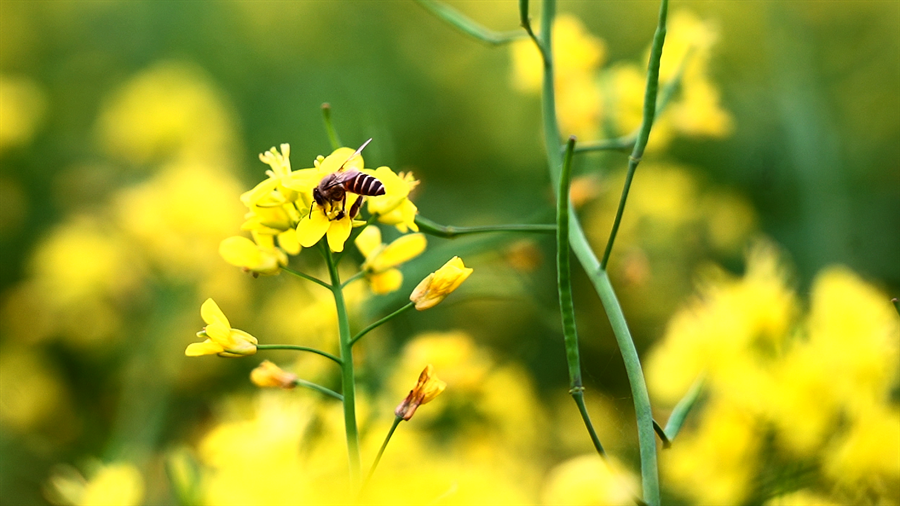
(348, 379)
(449, 232)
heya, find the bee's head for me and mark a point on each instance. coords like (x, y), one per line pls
(318, 197)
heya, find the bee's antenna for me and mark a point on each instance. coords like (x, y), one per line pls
(358, 151)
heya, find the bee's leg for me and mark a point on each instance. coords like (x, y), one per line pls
(340, 214)
(354, 209)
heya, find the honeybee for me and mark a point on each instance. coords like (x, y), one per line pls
(333, 188)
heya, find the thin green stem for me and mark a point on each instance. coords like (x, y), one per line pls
(387, 439)
(348, 379)
(294, 347)
(650, 95)
(584, 253)
(429, 227)
(319, 388)
(684, 406)
(626, 142)
(329, 127)
(353, 278)
(666, 442)
(306, 277)
(380, 322)
(566, 303)
(469, 27)
(525, 21)
(896, 303)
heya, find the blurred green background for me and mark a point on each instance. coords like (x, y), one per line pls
(813, 89)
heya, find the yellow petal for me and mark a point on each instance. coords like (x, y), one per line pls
(312, 228)
(338, 233)
(211, 314)
(239, 251)
(386, 282)
(205, 348)
(368, 241)
(401, 250)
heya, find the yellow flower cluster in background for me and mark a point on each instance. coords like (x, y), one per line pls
(812, 387)
(494, 447)
(595, 101)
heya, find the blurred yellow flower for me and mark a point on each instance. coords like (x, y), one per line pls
(221, 339)
(427, 388)
(117, 484)
(439, 284)
(812, 389)
(179, 216)
(269, 375)
(590, 480)
(382, 259)
(244, 253)
(22, 107)
(577, 58)
(576, 53)
(171, 111)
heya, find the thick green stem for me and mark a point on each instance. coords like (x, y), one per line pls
(380, 322)
(599, 278)
(294, 347)
(427, 226)
(348, 380)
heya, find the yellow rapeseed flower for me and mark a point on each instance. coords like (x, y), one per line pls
(427, 388)
(439, 284)
(221, 339)
(267, 374)
(394, 207)
(252, 257)
(119, 484)
(382, 259)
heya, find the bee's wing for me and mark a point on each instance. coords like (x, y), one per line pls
(358, 151)
(338, 178)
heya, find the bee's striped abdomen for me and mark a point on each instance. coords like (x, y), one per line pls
(364, 184)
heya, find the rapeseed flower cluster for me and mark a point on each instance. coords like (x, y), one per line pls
(283, 216)
(784, 384)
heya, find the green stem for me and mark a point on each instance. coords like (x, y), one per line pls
(525, 21)
(353, 278)
(650, 94)
(307, 277)
(566, 303)
(896, 303)
(329, 127)
(461, 22)
(375, 325)
(294, 347)
(684, 406)
(429, 227)
(387, 439)
(600, 280)
(626, 142)
(319, 388)
(348, 379)
(666, 442)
